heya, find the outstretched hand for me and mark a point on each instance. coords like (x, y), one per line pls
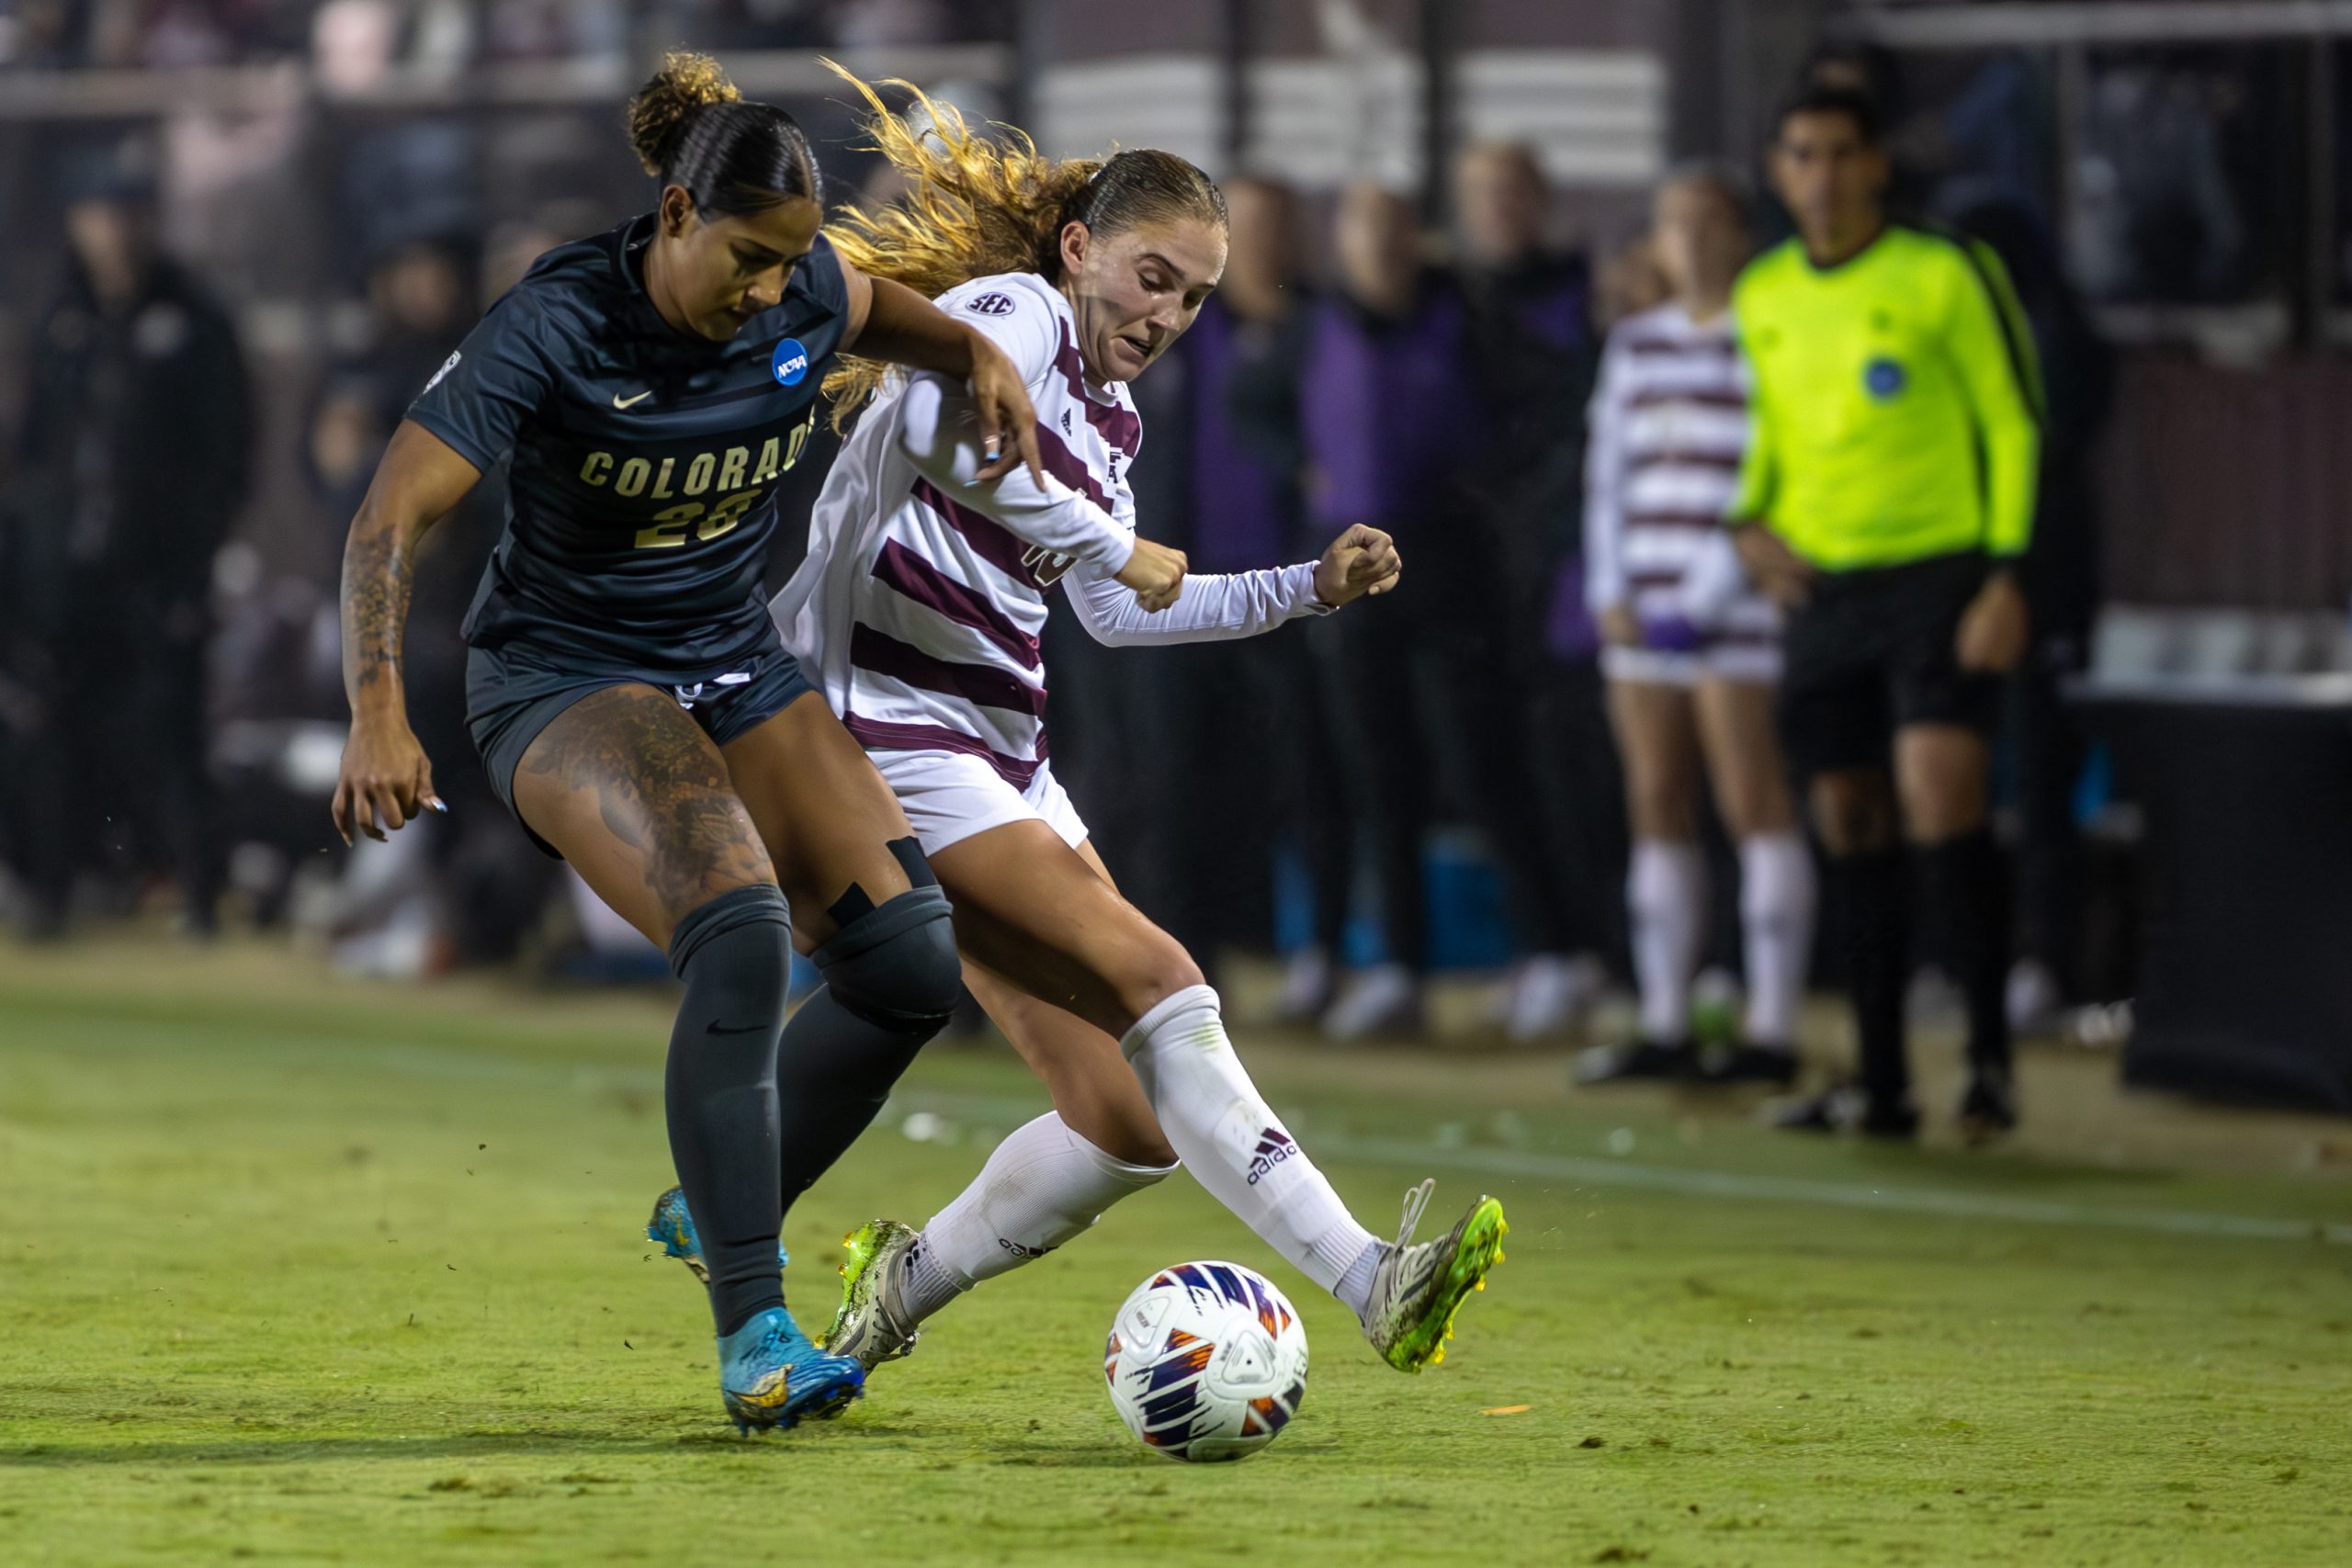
(1360, 562)
(1008, 422)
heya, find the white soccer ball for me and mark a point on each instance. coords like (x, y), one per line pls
(1206, 1361)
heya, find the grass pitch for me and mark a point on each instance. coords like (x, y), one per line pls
(306, 1272)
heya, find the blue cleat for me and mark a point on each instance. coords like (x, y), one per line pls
(673, 1227)
(770, 1376)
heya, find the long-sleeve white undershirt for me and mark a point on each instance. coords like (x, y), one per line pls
(1213, 606)
(939, 432)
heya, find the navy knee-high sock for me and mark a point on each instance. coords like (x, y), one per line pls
(891, 980)
(719, 1090)
(1873, 898)
(1963, 882)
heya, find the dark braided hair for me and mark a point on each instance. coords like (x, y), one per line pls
(692, 128)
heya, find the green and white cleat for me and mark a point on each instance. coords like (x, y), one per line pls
(1418, 1288)
(872, 1327)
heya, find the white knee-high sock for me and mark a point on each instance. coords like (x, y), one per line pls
(1040, 1186)
(1776, 903)
(1666, 892)
(1235, 1146)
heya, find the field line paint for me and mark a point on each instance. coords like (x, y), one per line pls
(1698, 1183)
(1695, 1183)
(1526, 1164)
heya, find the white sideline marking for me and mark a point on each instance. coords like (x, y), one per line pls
(449, 1062)
(1689, 1181)
(1839, 1194)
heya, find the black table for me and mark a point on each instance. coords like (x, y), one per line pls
(2245, 970)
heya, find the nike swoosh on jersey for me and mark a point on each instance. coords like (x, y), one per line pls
(621, 402)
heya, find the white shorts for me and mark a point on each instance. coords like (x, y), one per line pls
(950, 797)
(1749, 662)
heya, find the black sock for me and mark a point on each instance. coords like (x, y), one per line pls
(1875, 901)
(734, 954)
(891, 981)
(1961, 880)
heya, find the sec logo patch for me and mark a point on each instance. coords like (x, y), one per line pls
(991, 305)
(1883, 379)
(791, 362)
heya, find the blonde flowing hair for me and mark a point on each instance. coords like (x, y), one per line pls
(976, 205)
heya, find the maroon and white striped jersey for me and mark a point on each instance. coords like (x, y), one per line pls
(918, 609)
(1667, 428)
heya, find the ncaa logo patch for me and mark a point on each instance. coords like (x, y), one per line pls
(1883, 379)
(791, 362)
(991, 305)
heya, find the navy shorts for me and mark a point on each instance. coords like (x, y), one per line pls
(513, 692)
(1875, 650)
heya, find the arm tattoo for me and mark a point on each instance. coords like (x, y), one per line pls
(377, 577)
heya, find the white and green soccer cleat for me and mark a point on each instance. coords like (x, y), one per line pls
(1417, 1289)
(873, 1325)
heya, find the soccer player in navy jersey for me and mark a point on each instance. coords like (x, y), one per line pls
(919, 610)
(628, 692)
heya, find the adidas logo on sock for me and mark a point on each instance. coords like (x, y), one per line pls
(1274, 1147)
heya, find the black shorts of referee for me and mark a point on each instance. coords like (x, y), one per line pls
(1874, 650)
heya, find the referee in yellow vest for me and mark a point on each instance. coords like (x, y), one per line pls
(1886, 496)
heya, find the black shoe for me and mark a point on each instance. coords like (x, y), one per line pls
(1636, 1059)
(1751, 1064)
(1988, 1110)
(1846, 1109)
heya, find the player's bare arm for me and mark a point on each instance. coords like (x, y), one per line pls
(385, 776)
(889, 321)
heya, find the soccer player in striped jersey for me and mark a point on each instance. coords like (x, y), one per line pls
(1693, 651)
(919, 610)
(628, 690)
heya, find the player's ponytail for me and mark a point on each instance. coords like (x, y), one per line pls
(975, 206)
(690, 128)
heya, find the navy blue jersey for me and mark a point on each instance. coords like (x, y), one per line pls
(641, 497)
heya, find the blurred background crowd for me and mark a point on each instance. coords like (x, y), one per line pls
(242, 234)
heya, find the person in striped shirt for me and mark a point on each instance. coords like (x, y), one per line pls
(1693, 651)
(918, 611)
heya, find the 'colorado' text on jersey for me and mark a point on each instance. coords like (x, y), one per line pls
(641, 497)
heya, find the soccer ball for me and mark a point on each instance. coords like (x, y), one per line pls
(1206, 1361)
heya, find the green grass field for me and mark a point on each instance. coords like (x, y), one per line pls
(301, 1270)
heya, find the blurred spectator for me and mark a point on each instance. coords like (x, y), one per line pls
(2061, 575)
(1531, 332)
(133, 464)
(471, 888)
(1692, 654)
(1395, 419)
(1251, 706)
(1629, 283)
